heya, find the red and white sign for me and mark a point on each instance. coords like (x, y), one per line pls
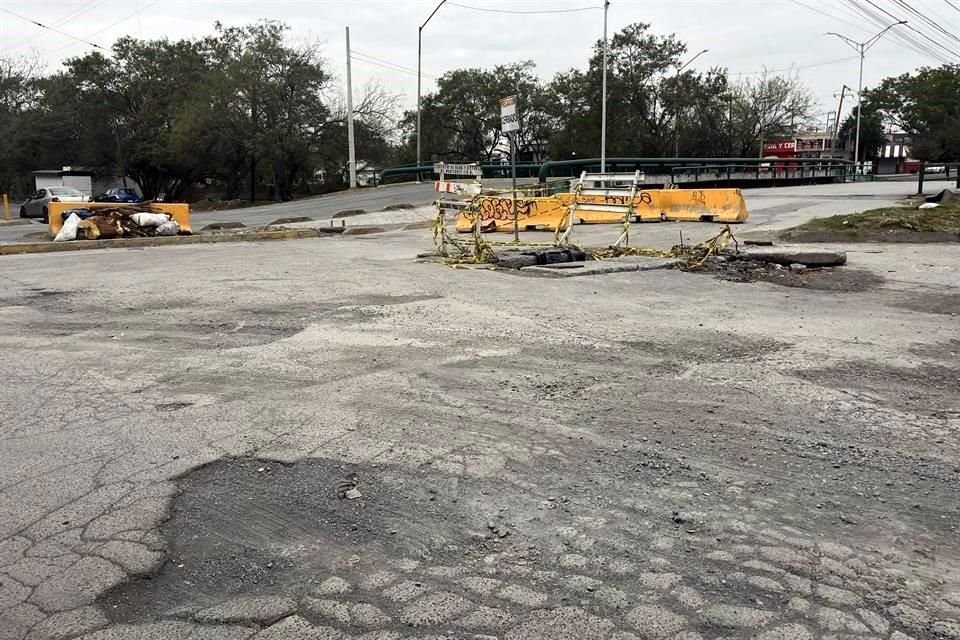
(459, 188)
(780, 148)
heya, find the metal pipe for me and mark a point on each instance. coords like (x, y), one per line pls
(419, 53)
(419, 62)
(603, 110)
(676, 116)
(351, 147)
(856, 146)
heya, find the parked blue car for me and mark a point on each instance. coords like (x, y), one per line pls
(119, 194)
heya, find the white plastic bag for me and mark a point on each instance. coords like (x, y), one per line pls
(929, 205)
(69, 229)
(149, 220)
(169, 228)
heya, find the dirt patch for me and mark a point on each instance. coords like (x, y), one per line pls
(38, 297)
(181, 323)
(939, 303)
(836, 279)
(941, 351)
(887, 224)
(714, 346)
(905, 236)
(223, 205)
(927, 390)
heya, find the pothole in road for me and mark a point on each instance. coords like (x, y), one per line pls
(252, 528)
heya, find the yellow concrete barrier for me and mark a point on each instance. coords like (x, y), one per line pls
(696, 205)
(179, 212)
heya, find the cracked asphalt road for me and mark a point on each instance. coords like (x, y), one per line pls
(643, 455)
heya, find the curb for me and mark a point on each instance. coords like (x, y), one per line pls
(129, 243)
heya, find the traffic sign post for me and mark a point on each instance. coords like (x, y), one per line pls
(510, 124)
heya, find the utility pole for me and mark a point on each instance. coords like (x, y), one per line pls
(351, 147)
(603, 111)
(843, 93)
(419, 59)
(676, 116)
(862, 48)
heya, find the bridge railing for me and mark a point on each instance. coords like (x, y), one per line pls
(676, 170)
(751, 168)
(424, 171)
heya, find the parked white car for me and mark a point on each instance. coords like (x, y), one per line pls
(36, 205)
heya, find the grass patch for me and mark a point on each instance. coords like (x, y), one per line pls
(943, 219)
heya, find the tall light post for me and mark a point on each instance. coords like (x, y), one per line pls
(862, 48)
(676, 116)
(419, 54)
(603, 99)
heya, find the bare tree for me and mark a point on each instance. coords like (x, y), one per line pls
(768, 107)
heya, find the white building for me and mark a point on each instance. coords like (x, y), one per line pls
(88, 182)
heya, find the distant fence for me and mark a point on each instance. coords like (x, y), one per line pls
(699, 170)
(424, 171)
(677, 171)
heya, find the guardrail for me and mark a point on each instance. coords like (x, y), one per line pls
(770, 170)
(921, 174)
(672, 169)
(757, 168)
(424, 171)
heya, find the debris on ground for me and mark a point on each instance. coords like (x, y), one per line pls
(347, 489)
(123, 221)
(839, 279)
(944, 197)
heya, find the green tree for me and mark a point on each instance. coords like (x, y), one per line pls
(872, 136)
(461, 119)
(925, 104)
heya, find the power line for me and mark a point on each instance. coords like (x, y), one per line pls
(125, 18)
(60, 21)
(515, 12)
(55, 30)
(377, 62)
(927, 20)
(915, 30)
(109, 26)
(898, 36)
(794, 67)
(829, 15)
(950, 2)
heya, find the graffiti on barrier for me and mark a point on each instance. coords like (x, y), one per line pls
(643, 198)
(502, 208)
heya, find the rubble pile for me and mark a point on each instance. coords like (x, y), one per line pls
(121, 221)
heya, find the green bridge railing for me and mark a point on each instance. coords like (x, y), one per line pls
(679, 169)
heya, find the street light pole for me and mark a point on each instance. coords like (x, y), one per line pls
(419, 56)
(676, 116)
(351, 147)
(861, 48)
(603, 109)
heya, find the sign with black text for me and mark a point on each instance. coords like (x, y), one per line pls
(509, 120)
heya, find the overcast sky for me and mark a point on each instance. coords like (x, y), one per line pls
(743, 35)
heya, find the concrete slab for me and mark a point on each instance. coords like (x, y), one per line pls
(808, 255)
(599, 267)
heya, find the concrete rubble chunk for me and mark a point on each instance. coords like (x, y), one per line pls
(333, 585)
(564, 623)
(599, 267)
(787, 255)
(297, 628)
(258, 609)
